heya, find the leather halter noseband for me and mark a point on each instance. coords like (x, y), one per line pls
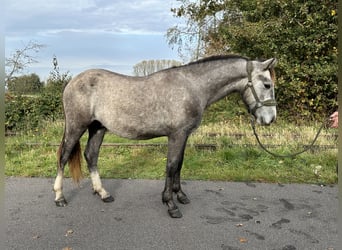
(259, 104)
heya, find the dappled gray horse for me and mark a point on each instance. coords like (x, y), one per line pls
(168, 103)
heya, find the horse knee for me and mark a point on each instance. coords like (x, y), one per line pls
(171, 168)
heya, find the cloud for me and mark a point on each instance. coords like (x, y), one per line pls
(91, 33)
(132, 17)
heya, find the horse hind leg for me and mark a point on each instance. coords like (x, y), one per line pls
(58, 185)
(69, 150)
(91, 154)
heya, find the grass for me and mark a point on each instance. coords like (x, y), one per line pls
(236, 158)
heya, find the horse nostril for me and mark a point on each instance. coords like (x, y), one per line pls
(267, 122)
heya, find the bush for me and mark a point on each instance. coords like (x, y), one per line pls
(303, 36)
(27, 112)
(20, 112)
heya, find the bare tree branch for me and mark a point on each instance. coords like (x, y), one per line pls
(21, 58)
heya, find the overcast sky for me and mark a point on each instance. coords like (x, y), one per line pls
(111, 34)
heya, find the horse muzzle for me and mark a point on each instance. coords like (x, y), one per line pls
(265, 115)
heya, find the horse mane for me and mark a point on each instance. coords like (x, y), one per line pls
(217, 57)
(221, 57)
(208, 59)
(227, 57)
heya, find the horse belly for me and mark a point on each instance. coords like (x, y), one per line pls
(135, 125)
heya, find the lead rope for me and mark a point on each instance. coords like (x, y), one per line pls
(286, 155)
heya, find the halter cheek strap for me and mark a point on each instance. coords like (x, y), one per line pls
(258, 103)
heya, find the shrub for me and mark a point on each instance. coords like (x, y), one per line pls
(27, 112)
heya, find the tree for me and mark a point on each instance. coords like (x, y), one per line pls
(145, 68)
(51, 98)
(57, 80)
(26, 84)
(301, 34)
(200, 17)
(20, 59)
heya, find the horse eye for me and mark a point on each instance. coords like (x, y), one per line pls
(267, 85)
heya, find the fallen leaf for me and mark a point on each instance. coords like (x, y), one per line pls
(243, 240)
(69, 232)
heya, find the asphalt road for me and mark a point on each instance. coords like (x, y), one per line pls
(221, 215)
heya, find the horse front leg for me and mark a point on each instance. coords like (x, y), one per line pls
(176, 146)
(91, 154)
(177, 189)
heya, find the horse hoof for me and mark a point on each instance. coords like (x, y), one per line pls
(61, 202)
(175, 213)
(108, 199)
(183, 199)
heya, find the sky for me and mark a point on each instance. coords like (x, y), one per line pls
(83, 34)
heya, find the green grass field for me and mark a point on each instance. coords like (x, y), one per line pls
(236, 157)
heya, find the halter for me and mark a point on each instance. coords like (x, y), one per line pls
(259, 104)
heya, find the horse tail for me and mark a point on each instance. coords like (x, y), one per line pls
(74, 161)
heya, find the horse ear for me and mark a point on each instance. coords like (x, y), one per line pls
(269, 64)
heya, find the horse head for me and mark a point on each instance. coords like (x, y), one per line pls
(258, 93)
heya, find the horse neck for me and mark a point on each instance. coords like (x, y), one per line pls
(219, 81)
